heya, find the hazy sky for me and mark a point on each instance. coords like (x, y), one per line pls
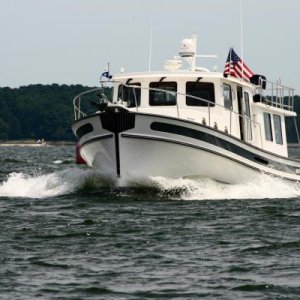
(70, 41)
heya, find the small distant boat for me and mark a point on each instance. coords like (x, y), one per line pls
(228, 126)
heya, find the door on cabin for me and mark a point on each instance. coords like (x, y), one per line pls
(244, 114)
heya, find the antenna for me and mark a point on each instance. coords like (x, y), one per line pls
(242, 37)
(150, 41)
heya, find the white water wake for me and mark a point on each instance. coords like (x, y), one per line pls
(263, 187)
(47, 185)
(72, 180)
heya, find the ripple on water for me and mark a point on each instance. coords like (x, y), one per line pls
(68, 234)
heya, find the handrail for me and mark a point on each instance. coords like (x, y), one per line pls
(77, 108)
(278, 93)
(79, 114)
(200, 99)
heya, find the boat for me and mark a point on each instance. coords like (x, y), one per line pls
(187, 122)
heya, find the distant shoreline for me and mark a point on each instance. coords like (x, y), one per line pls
(294, 145)
(32, 143)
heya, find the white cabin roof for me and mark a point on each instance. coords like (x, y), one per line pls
(179, 74)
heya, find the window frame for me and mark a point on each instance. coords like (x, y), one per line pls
(248, 114)
(210, 87)
(278, 129)
(268, 127)
(230, 99)
(160, 85)
(135, 89)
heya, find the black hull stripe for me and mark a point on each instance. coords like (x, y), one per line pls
(221, 143)
(204, 126)
(124, 135)
(214, 130)
(117, 148)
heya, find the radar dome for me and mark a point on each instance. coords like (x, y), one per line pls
(187, 48)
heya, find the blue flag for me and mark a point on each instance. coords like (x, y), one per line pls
(105, 74)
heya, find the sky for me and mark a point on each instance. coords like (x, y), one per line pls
(71, 41)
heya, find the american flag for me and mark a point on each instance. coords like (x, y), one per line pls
(236, 67)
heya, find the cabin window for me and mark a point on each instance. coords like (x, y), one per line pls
(248, 116)
(268, 127)
(277, 129)
(130, 94)
(227, 93)
(162, 93)
(202, 90)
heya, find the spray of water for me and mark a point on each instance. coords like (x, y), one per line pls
(49, 185)
(73, 180)
(263, 187)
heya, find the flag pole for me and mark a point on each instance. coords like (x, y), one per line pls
(150, 42)
(230, 60)
(242, 37)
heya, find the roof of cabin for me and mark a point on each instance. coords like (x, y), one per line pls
(180, 74)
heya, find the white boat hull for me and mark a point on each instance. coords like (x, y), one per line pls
(170, 147)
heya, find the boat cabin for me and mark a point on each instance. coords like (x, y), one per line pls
(225, 103)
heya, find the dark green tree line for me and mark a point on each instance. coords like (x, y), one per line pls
(46, 111)
(38, 111)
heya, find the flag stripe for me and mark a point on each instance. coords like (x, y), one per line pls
(235, 67)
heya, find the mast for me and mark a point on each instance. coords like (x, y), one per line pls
(193, 60)
(242, 37)
(150, 41)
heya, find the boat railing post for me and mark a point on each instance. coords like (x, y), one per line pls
(250, 131)
(278, 103)
(79, 109)
(272, 91)
(230, 120)
(135, 100)
(281, 96)
(74, 107)
(296, 128)
(260, 135)
(277, 91)
(208, 114)
(246, 129)
(293, 99)
(248, 125)
(177, 107)
(259, 89)
(290, 100)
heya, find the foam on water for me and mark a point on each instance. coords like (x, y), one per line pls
(46, 185)
(263, 187)
(57, 162)
(74, 179)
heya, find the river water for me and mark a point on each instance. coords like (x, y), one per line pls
(68, 234)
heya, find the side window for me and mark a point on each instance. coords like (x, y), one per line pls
(202, 90)
(131, 95)
(277, 129)
(268, 127)
(227, 96)
(247, 104)
(248, 116)
(162, 93)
